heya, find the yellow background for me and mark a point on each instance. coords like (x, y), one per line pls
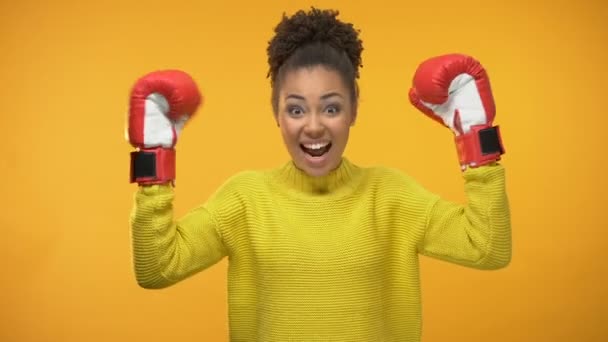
(66, 70)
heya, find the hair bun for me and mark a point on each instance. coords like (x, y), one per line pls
(315, 26)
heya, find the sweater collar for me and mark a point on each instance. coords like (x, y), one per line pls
(342, 179)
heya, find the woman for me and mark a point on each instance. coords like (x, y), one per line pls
(320, 249)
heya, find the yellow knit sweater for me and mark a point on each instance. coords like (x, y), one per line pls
(333, 258)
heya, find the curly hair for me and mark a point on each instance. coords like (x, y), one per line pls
(312, 38)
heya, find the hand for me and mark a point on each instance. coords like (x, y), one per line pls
(161, 103)
(455, 91)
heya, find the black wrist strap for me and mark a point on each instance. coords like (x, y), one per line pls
(489, 141)
(143, 165)
(153, 165)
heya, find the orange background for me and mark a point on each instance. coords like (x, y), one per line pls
(66, 72)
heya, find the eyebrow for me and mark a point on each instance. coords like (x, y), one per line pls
(323, 97)
(328, 95)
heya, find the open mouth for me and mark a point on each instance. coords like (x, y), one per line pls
(316, 150)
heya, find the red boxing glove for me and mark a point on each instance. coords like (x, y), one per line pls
(161, 103)
(455, 91)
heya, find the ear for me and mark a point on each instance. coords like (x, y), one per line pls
(276, 119)
(354, 118)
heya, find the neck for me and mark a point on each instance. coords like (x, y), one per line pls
(341, 180)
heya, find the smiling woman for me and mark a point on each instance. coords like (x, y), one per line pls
(315, 113)
(320, 249)
(314, 63)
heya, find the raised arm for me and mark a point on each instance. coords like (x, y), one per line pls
(455, 91)
(165, 250)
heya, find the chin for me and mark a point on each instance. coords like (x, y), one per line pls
(320, 170)
(317, 172)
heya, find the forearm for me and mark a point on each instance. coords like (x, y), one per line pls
(166, 251)
(151, 219)
(489, 216)
(477, 234)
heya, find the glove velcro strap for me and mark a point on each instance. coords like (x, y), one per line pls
(153, 166)
(480, 146)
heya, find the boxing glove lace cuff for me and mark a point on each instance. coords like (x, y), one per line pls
(152, 166)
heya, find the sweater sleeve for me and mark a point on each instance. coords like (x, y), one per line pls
(168, 250)
(477, 234)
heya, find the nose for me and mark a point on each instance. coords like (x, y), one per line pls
(314, 126)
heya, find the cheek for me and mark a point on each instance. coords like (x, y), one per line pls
(342, 130)
(288, 129)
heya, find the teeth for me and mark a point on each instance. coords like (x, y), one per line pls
(316, 146)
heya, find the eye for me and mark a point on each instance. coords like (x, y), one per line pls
(332, 109)
(295, 111)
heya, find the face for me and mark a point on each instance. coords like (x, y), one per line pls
(315, 114)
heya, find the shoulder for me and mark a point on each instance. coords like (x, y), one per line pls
(236, 192)
(244, 182)
(388, 176)
(391, 181)
(245, 177)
